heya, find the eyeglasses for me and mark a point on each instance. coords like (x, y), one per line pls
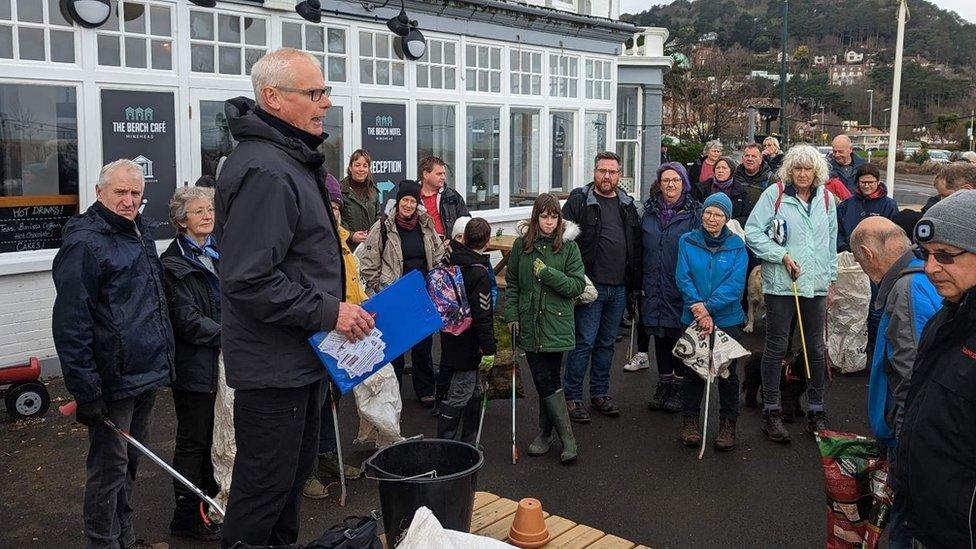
(675, 182)
(201, 211)
(315, 94)
(867, 181)
(943, 258)
(607, 172)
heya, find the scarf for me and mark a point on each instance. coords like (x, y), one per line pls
(665, 211)
(208, 249)
(284, 128)
(724, 186)
(715, 242)
(878, 193)
(407, 224)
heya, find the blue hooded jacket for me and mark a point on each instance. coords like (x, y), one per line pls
(858, 207)
(715, 277)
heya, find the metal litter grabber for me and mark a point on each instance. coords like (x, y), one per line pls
(342, 464)
(515, 452)
(708, 388)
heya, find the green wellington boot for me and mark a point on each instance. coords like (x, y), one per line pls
(543, 441)
(555, 405)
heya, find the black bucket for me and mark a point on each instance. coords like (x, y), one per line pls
(438, 474)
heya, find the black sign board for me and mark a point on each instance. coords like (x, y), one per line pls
(141, 126)
(385, 138)
(34, 223)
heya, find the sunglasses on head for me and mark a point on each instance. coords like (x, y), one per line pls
(943, 258)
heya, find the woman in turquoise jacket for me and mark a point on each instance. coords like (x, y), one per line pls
(711, 275)
(793, 230)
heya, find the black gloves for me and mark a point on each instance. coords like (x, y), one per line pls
(91, 413)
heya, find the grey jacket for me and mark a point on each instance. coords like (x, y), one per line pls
(381, 264)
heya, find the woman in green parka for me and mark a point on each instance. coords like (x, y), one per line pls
(544, 276)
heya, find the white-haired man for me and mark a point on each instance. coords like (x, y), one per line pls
(844, 163)
(113, 336)
(281, 279)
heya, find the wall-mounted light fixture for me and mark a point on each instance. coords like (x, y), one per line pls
(204, 3)
(412, 41)
(88, 13)
(310, 10)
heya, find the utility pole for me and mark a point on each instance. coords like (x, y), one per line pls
(870, 108)
(896, 97)
(972, 130)
(782, 78)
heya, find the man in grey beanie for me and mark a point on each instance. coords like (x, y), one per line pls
(936, 449)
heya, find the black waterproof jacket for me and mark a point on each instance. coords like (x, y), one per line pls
(194, 309)
(583, 209)
(110, 321)
(464, 351)
(741, 204)
(936, 466)
(281, 269)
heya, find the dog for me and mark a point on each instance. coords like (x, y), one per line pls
(792, 384)
(754, 295)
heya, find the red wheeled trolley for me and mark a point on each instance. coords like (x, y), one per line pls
(25, 396)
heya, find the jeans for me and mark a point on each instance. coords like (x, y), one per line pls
(667, 363)
(780, 311)
(194, 440)
(545, 371)
(111, 468)
(597, 326)
(422, 368)
(277, 433)
(693, 387)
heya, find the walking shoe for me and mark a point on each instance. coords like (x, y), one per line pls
(661, 391)
(577, 412)
(772, 426)
(817, 422)
(674, 403)
(427, 401)
(329, 466)
(637, 362)
(690, 428)
(543, 441)
(560, 418)
(196, 529)
(605, 406)
(725, 440)
(314, 489)
(143, 544)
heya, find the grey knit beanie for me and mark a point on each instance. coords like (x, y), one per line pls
(950, 221)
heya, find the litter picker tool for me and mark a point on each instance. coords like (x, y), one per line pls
(481, 419)
(515, 454)
(342, 464)
(708, 388)
(70, 408)
(799, 320)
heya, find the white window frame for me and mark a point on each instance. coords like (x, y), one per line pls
(488, 70)
(324, 55)
(558, 75)
(46, 28)
(216, 43)
(393, 60)
(515, 75)
(591, 84)
(121, 34)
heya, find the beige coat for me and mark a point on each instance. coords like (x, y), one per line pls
(379, 272)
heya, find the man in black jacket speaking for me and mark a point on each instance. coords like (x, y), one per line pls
(281, 280)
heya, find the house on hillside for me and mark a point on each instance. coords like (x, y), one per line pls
(845, 75)
(853, 57)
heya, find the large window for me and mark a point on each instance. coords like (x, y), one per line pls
(380, 62)
(38, 165)
(436, 128)
(483, 68)
(327, 44)
(35, 30)
(563, 136)
(225, 43)
(563, 76)
(526, 72)
(483, 157)
(524, 168)
(595, 137)
(628, 136)
(335, 160)
(599, 77)
(437, 69)
(215, 138)
(143, 39)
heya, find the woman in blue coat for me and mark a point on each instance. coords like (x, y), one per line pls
(871, 198)
(711, 275)
(669, 212)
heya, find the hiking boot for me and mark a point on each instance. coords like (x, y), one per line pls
(329, 467)
(817, 422)
(690, 428)
(664, 388)
(605, 406)
(314, 489)
(543, 441)
(560, 416)
(674, 402)
(200, 531)
(577, 412)
(637, 362)
(725, 440)
(772, 426)
(143, 544)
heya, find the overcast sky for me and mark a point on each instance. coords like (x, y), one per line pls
(965, 8)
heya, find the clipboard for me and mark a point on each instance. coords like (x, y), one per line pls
(403, 312)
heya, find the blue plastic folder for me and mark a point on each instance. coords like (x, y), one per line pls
(404, 314)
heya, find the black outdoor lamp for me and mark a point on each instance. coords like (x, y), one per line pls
(412, 41)
(310, 10)
(88, 13)
(204, 3)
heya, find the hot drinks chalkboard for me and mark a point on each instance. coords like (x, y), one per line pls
(34, 222)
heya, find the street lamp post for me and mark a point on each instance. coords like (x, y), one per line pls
(896, 97)
(782, 77)
(870, 108)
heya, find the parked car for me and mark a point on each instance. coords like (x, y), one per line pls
(938, 156)
(825, 150)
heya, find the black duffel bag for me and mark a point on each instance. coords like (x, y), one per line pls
(352, 533)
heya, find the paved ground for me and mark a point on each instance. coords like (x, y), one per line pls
(633, 478)
(912, 191)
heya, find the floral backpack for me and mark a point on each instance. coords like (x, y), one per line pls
(446, 288)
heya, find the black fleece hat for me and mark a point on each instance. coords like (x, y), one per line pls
(408, 187)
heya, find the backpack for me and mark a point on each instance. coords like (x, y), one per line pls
(445, 284)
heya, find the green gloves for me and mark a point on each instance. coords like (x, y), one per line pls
(537, 266)
(487, 362)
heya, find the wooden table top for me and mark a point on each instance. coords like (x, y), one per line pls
(502, 243)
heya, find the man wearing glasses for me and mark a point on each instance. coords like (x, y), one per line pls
(281, 280)
(937, 444)
(610, 243)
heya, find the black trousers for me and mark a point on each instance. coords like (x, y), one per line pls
(545, 372)
(277, 434)
(194, 439)
(422, 368)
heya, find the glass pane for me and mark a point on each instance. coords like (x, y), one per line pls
(449, 74)
(470, 56)
(40, 157)
(337, 69)
(589, 89)
(255, 32)
(496, 81)
(537, 63)
(291, 35)
(201, 58)
(627, 115)
(229, 59)
(536, 85)
(251, 56)
(437, 78)
(229, 28)
(31, 43)
(449, 53)
(366, 44)
(30, 11)
(134, 16)
(422, 79)
(5, 12)
(382, 46)
(162, 55)
(337, 41)
(483, 81)
(561, 176)
(514, 84)
(135, 52)
(62, 46)
(589, 68)
(314, 38)
(574, 67)
(201, 25)
(6, 42)
(436, 51)
(471, 79)
(112, 23)
(55, 15)
(109, 51)
(215, 138)
(383, 72)
(628, 165)
(513, 60)
(483, 157)
(332, 147)
(483, 56)
(525, 86)
(572, 88)
(523, 175)
(595, 136)
(496, 58)
(366, 71)
(435, 132)
(398, 74)
(159, 21)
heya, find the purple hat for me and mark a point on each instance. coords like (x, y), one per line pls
(676, 166)
(332, 185)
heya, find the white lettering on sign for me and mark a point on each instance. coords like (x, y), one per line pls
(387, 166)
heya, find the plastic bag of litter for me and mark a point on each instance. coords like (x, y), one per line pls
(379, 405)
(692, 349)
(847, 316)
(426, 532)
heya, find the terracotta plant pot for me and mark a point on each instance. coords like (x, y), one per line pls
(529, 528)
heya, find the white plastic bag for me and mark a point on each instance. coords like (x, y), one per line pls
(847, 314)
(426, 532)
(224, 446)
(379, 405)
(692, 349)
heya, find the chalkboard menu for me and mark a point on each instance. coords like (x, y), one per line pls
(34, 222)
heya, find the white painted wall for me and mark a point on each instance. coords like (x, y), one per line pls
(25, 317)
